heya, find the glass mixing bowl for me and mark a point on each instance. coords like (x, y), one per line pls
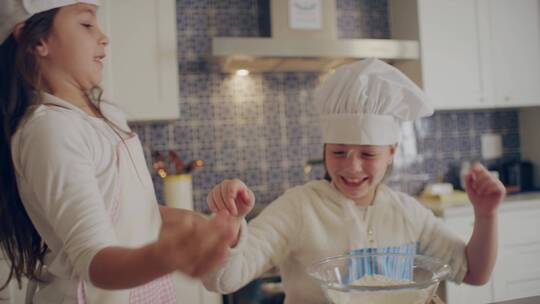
(379, 278)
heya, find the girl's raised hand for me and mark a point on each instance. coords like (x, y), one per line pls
(193, 244)
(231, 197)
(485, 191)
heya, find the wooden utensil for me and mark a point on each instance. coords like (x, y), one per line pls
(179, 165)
(159, 164)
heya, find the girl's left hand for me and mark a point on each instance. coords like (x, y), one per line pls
(231, 197)
(485, 191)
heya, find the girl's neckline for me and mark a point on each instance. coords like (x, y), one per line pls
(53, 100)
(341, 196)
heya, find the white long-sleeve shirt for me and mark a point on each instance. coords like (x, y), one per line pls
(65, 168)
(309, 223)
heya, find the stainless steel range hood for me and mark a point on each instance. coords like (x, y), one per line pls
(304, 50)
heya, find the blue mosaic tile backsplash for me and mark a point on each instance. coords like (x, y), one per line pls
(262, 129)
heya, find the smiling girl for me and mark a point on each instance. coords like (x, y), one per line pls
(352, 210)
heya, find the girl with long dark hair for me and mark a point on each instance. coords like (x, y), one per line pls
(78, 213)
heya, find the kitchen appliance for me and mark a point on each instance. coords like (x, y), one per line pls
(302, 37)
(529, 141)
(379, 278)
(518, 176)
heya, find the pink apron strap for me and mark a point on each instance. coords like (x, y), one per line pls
(159, 291)
(81, 293)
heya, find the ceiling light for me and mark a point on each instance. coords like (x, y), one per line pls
(242, 72)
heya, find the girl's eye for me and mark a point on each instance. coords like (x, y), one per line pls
(369, 155)
(87, 25)
(338, 153)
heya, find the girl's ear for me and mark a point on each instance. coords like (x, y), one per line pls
(18, 30)
(42, 49)
(393, 149)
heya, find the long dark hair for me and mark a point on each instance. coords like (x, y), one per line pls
(19, 82)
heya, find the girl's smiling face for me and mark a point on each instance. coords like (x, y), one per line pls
(357, 170)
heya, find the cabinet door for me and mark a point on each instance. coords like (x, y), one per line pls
(463, 225)
(515, 51)
(517, 273)
(450, 53)
(469, 294)
(141, 70)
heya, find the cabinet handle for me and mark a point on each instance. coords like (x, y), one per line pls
(507, 98)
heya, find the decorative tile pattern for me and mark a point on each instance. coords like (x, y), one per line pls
(262, 128)
(362, 19)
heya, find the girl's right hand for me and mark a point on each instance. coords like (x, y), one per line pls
(231, 197)
(191, 243)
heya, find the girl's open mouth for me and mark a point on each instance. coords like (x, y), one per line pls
(353, 182)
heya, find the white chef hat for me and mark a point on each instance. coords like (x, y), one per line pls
(13, 12)
(364, 102)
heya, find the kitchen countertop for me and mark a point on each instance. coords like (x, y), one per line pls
(439, 208)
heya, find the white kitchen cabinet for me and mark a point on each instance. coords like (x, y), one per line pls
(515, 51)
(474, 53)
(461, 222)
(450, 47)
(141, 70)
(517, 271)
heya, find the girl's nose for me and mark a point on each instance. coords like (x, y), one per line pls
(351, 154)
(104, 40)
(354, 160)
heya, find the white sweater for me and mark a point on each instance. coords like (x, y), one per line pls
(309, 223)
(65, 168)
